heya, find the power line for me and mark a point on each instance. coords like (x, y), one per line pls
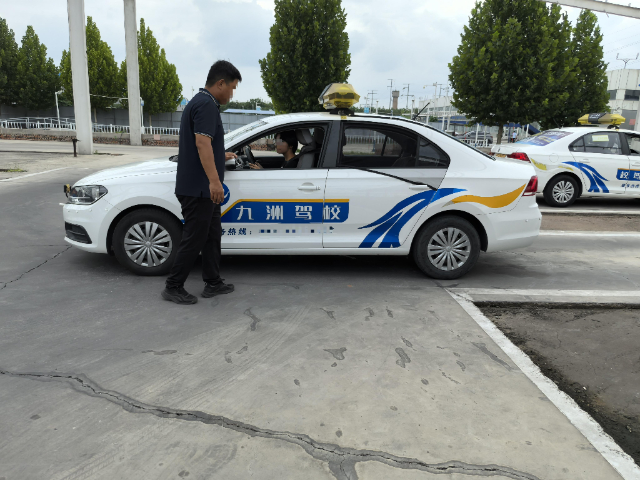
(620, 48)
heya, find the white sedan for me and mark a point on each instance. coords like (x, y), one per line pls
(586, 161)
(364, 185)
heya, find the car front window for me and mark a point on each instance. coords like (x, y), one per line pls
(229, 137)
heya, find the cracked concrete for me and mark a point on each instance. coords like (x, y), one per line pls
(5, 284)
(342, 460)
(282, 405)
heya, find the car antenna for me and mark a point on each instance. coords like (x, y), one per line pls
(418, 114)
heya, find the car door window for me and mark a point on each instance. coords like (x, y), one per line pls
(379, 147)
(634, 144)
(608, 143)
(307, 142)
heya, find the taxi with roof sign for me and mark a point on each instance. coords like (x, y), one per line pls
(362, 185)
(596, 159)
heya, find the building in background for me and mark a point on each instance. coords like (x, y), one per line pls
(624, 94)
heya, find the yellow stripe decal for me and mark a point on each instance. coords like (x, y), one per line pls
(279, 200)
(500, 201)
(539, 166)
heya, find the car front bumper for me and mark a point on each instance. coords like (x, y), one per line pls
(94, 219)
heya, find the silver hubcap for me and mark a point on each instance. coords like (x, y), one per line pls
(148, 244)
(562, 191)
(449, 249)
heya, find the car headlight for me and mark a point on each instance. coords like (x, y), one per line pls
(85, 194)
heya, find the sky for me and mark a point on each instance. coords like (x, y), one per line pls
(409, 41)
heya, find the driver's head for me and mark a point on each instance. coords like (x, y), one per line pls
(286, 140)
(222, 80)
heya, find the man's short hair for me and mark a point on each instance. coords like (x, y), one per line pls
(222, 70)
(291, 138)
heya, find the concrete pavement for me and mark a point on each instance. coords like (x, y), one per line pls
(316, 367)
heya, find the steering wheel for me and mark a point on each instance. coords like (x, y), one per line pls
(249, 154)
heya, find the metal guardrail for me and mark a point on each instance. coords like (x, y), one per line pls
(51, 123)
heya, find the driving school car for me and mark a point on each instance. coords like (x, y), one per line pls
(596, 159)
(363, 185)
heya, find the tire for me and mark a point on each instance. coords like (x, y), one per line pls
(561, 191)
(134, 229)
(439, 232)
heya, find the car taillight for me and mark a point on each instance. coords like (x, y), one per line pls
(532, 187)
(519, 156)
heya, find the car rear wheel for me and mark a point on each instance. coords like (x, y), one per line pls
(146, 241)
(561, 191)
(447, 247)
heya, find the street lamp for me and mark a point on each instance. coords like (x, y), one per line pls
(58, 109)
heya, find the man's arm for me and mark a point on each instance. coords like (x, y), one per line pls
(205, 151)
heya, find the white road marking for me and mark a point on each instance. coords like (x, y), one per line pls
(568, 233)
(560, 211)
(593, 432)
(32, 174)
(468, 293)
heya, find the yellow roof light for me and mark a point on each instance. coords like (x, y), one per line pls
(601, 119)
(338, 95)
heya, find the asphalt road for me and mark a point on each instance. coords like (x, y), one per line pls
(316, 367)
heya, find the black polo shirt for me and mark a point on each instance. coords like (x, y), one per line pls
(201, 116)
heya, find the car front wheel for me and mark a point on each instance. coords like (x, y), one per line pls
(447, 248)
(561, 191)
(146, 241)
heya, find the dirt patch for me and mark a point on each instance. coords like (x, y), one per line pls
(591, 223)
(591, 353)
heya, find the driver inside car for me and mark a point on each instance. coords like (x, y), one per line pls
(286, 145)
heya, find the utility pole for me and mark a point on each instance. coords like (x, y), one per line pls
(407, 95)
(58, 109)
(390, 90)
(80, 76)
(133, 74)
(370, 95)
(626, 60)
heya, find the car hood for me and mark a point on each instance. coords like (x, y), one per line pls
(149, 167)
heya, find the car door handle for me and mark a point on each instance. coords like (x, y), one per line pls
(420, 187)
(635, 164)
(585, 160)
(308, 187)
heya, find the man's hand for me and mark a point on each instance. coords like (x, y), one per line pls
(230, 155)
(216, 191)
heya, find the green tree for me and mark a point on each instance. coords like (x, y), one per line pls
(248, 105)
(309, 50)
(160, 87)
(104, 80)
(586, 45)
(37, 77)
(512, 62)
(8, 64)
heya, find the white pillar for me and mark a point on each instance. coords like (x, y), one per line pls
(133, 77)
(80, 76)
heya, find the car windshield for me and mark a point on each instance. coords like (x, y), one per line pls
(241, 131)
(544, 138)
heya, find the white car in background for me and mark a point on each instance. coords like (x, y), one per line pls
(364, 185)
(585, 161)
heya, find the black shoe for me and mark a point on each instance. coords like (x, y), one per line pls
(179, 296)
(217, 289)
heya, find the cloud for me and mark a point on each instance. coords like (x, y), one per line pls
(407, 40)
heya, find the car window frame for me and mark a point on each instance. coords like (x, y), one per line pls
(386, 126)
(289, 126)
(623, 145)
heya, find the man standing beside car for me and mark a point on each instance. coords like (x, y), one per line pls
(201, 161)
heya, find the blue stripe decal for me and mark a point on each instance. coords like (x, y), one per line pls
(391, 223)
(597, 180)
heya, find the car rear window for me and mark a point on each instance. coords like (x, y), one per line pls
(544, 138)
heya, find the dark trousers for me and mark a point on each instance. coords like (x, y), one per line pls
(202, 232)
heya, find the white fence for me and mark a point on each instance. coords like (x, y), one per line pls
(51, 123)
